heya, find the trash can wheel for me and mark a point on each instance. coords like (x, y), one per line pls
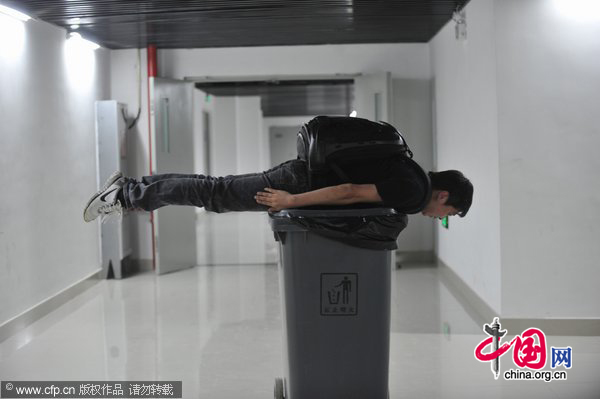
(279, 388)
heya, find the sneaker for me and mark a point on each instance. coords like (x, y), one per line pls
(105, 202)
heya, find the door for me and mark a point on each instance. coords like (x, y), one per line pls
(173, 152)
(282, 143)
(373, 97)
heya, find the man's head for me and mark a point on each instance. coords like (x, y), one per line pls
(451, 194)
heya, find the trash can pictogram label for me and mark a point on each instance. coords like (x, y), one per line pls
(339, 294)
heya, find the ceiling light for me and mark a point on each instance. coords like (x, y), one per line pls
(74, 37)
(74, 22)
(353, 114)
(14, 13)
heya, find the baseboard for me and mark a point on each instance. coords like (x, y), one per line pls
(475, 307)
(479, 311)
(575, 327)
(140, 265)
(36, 312)
(415, 256)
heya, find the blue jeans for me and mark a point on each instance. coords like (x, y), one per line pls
(216, 194)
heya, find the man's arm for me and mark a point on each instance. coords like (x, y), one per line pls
(342, 194)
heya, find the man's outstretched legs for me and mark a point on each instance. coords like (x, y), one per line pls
(215, 194)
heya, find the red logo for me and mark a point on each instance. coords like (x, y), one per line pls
(527, 352)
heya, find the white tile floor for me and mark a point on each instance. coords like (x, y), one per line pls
(218, 329)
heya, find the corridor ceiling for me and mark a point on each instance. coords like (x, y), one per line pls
(120, 24)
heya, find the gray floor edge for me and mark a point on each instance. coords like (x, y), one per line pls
(479, 310)
(36, 312)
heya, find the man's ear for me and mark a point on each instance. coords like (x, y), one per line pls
(443, 196)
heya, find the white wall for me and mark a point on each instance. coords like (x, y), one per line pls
(466, 139)
(283, 141)
(248, 118)
(223, 137)
(523, 90)
(47, 163)
(548, 62)
(281, 121)
(408, 61)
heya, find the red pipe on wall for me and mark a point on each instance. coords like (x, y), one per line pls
(152, 67)
(152, 73)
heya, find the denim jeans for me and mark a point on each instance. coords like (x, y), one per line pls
(215, 194)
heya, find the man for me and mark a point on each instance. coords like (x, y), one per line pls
(369, 178)
(390, 182)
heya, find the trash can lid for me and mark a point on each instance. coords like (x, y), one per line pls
(282, 220)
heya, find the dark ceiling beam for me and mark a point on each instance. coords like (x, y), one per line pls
(231, 23)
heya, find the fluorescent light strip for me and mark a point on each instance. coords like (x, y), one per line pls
(14, 13)
(76, 37)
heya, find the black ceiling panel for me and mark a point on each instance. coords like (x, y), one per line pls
(119, 24)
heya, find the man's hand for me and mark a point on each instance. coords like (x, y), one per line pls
(275, 199)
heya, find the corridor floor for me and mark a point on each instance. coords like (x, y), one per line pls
(218, 329)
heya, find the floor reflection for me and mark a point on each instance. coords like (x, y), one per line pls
(218, 329)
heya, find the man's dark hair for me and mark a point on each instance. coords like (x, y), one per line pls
(458, 186)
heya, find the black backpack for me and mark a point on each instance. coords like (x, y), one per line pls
(326, 143)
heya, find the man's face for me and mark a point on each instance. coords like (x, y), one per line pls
(437, 207)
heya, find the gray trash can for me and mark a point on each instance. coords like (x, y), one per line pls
(336, 311)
